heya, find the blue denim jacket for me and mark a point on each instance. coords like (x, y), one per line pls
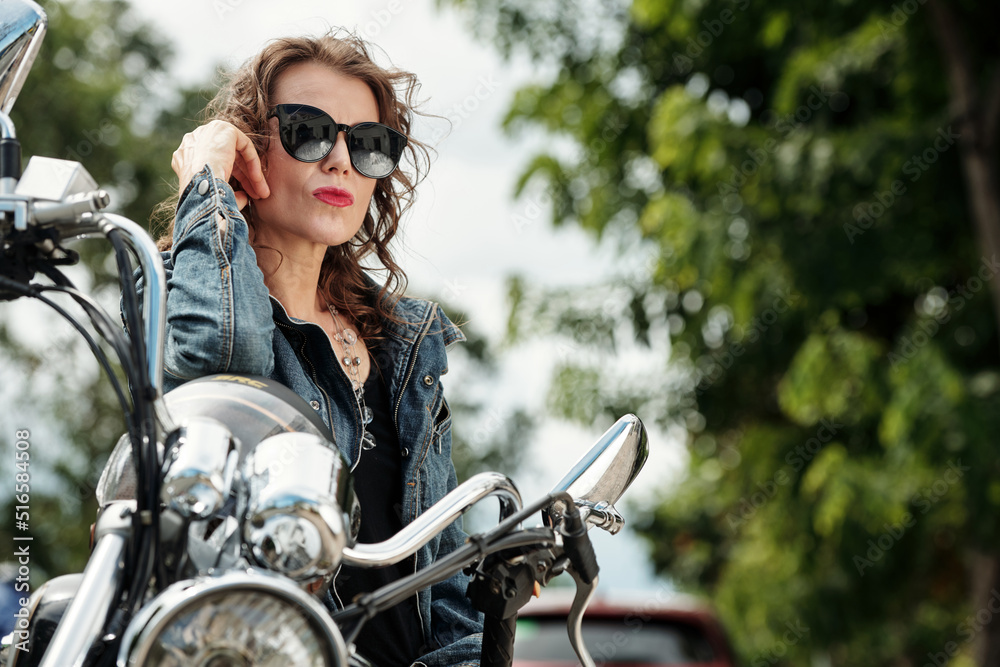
(220, 318)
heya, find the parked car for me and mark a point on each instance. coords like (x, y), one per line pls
(634, 631)
(9, 597)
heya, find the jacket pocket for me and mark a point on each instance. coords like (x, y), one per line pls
(442, 428)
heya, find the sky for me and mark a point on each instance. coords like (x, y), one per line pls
(466, 233)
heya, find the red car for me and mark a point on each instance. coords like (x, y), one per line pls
(634, 631)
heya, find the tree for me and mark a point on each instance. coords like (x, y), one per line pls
(816, 184)
(94, 95)
(487, 439)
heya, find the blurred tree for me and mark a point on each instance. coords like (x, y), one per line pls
(816, 186)
(96, 94)
(486, 438)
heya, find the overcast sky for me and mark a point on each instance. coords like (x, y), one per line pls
(466, 234)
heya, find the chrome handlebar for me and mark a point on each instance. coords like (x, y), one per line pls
(154, 307)
(407, 541)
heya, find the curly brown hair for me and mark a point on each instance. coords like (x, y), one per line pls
(245, 99)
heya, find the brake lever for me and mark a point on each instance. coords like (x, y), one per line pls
(574, 620)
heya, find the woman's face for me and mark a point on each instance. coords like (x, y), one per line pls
(325, 202)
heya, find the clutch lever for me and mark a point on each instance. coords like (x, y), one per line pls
(584, 592)
(583, 568)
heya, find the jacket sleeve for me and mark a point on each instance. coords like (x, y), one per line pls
(218, 309)
(457, 625)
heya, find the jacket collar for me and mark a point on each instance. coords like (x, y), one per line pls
(413, 315)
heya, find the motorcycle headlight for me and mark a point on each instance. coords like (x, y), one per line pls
(201, 461)
(298, 496)
(240, 619)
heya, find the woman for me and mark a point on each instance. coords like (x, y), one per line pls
(283, 193)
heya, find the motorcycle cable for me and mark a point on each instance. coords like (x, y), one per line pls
(104, 326)
(139, 557)
(476, 547)
(144, 452)
(370, 604)
(110, 333)
(35, 290)
(133, 318)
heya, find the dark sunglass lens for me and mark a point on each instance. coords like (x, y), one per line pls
(307, 133)
(375, 149)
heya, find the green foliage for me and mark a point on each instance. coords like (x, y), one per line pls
(793, 171)
(484, 438)
(832, 374)
(94, 95)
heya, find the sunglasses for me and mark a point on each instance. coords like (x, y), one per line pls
(309, 134)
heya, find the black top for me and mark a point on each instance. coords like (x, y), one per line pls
(393, 637)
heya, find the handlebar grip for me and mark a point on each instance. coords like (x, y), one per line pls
(579, 548)
(498, 641)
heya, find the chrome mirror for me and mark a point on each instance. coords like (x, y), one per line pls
(22, 27)
(603, 474)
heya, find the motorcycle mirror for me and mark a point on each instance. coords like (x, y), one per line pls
(22, 28)
(603, 474)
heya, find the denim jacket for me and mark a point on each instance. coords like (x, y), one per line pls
(221, 318)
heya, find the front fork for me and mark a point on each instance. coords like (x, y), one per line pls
(81, 626)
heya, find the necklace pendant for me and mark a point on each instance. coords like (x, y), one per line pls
(367, 441)
(367, 416)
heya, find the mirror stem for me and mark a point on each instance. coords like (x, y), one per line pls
(10, 155)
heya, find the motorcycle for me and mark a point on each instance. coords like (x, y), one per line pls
(226, 508)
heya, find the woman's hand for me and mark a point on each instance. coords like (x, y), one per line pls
(228, 151)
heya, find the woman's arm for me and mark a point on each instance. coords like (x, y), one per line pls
(218, 310)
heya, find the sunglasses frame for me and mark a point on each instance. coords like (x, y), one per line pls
(340, 127)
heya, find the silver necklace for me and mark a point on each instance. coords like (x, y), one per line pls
(352, 363)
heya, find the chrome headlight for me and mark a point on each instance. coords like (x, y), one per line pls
(240, 619)
(201, 461)
(200, 465)
(298, 494)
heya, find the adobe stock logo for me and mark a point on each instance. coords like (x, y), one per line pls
(924, 500)
(712, 369)
(774, 655)
(796, 460)
(966, 631)
(784, 125)
(461, 111)
(901, 13)
(952, 301)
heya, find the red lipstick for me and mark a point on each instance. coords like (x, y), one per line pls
(334, 196)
